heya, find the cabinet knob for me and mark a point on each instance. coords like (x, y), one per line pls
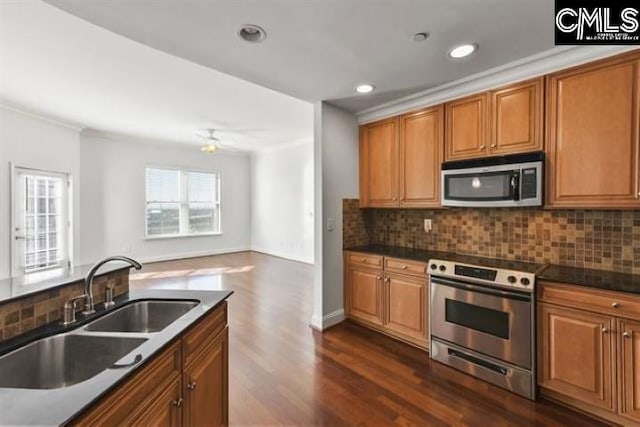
(404, 267)
(191, 386)
(177, 402)
(395, 198)
(378, 278)
(605, 330)
(364, 260)
(482, 147)
(626, 334)
(615, 304)
(493, 145)
(388, 279)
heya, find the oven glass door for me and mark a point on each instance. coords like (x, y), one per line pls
(489, 321)
(482, 186)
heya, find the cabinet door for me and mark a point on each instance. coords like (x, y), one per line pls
(206, 385)
(629, 367)
(165, 410)
(516, 118)
(592, 119)
(577, 354)
(365, 294)
(421, 147)
(406, 306)
(379, 163)
(466, 127)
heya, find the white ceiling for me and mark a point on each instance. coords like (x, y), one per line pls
(319, 50)
(58, 65)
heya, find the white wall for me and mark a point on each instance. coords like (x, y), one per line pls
(336, 178)
(282, 202)
(113, 200)
(33, 142)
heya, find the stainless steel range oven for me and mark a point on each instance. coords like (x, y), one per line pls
(482, 322)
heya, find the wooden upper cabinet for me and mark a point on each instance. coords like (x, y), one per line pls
(577, 354)
(592, 134)
(516, 118)
(630, 369)
(421, 154)
(466, 130)
(379, 163)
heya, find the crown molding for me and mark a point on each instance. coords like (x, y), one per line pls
(28, 112)
(122, 137)
(551, 60)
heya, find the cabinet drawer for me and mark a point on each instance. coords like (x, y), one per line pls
(402, 266)
(206, 330)
(367, 260)
(137, 393)
(613, 303)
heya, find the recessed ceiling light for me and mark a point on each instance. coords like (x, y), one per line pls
(365, 88)
(420, 37)
(462, 50)
(251, 33)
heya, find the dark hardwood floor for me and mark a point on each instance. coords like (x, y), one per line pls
(282, 372)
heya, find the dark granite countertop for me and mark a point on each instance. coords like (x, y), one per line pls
(596, 279)
(20, 406)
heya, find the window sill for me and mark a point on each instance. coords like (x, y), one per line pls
(181, 236)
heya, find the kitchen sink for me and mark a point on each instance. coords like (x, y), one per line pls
(143, 316)
(64, 360)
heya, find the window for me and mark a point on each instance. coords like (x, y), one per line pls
(40, 220)
(182, 203)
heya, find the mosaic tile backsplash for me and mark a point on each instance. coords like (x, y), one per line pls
(22, 315)
(602, 240)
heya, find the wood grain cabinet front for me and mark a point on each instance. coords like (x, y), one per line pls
(379, 143)
(392, 299)
(593, 119)
(186, 384)
(588, 354)
(466, 130)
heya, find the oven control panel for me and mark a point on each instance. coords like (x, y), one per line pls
(495, 276)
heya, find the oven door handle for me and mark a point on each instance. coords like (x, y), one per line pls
(480, 289)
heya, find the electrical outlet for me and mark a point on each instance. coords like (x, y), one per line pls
(427, 225)
(331, 224)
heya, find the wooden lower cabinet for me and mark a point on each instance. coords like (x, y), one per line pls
(406, 306)
(364, 294)
(164, 409)
(387, 301)
(588, 354)
(630, 369)
(206, 385)
(578, 348)
(186, 384)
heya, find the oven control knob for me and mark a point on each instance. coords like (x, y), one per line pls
(443, 268)
(525, 282)
(512, 279)
(433, 266)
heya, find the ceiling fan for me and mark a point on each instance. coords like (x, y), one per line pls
(212, 143)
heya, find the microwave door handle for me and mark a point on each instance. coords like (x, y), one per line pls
(515, 185)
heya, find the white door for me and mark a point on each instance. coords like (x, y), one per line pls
(40, 221)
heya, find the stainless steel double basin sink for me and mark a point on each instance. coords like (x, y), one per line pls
(69, 358)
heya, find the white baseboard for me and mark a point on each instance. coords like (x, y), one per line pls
(327, 321)
(281, 255)
(185, 255)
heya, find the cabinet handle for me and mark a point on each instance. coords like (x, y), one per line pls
(191, 386)
(404, 267)
(395, 198)
(605, 330)
(364, 260)
(615, 304)
(626, 334)
(378, 278)
(388, 280)
(482, 147)
(177, 402)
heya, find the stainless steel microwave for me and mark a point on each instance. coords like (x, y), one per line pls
(506, 181)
